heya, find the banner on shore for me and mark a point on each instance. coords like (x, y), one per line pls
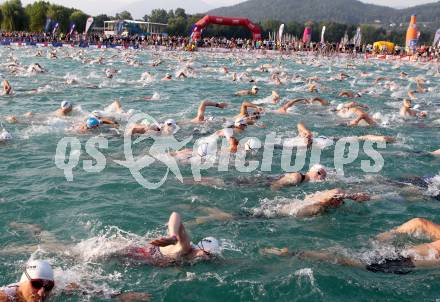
(280, 32)
(436, 38)
(89, 23)
(47, 26)
(323, 35)
(307, 35)
(72, 28)
(55, 27)
(357, 40)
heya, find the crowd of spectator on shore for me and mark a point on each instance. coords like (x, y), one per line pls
(185, 43)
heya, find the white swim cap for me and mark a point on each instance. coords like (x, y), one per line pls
(240, 121)
(252, 144)
(37, 269)
(318, 168)
(416, 106)
(255, 87)
(228, 132)
(210, 245)
(202, 150)
(340, 107)
(97, 113)
(168, 75)
(229, 124)
(170, 122)
(66, 105)
(5, 135)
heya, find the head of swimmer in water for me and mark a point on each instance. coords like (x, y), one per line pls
(37, 281)
(210, 246)
(317, 173)
(255, 89)
(407, 103)
(66, 107)
(240, 124)
(169, 126)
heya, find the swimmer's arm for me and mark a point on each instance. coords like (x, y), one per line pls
(245, 105)
(202, 107)
(320, 101)
(3, 296)
(356, 121)
(291, 103)
(286, 180)
(303, 131)
(355, 104)
(359, 197)
(109, 122)
(132, 296)
(124, 297)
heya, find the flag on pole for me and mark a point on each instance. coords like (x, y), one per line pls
(55, 27)
(89, 23)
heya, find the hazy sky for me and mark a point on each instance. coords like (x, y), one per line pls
(110, 6)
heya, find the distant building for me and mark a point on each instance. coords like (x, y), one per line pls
(131, 27)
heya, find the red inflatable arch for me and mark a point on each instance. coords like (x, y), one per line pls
(206, 20)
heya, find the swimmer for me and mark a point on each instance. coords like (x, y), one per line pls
(403, 74)
(379, 79)
(316, 173)
(349, 94)
(417, 256)
(110, 73)
(11, 119)
(343, 76)
(95, 120)
(244, 109)
(276, 80)
(36, 284)
(200, 118)
(275, 97)
(376, 138)
(187, 153)
(312, 87)
(167, 77)
(406, 111)
(283, 109)
(146, 126)
(181, 74)
(7, 88)
(254, 91)
(174, 249)
(65, 109)
(319, 100)
(5, 135)
(35, 68)
(412, 94)
(239, 125)
(436, 152)
(360, 115)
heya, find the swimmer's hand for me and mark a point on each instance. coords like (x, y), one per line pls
(165, 241)
(128, 297)
(275, 251)
(360, 197)
(222, 105)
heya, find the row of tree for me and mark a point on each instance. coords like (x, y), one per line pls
(15, 17)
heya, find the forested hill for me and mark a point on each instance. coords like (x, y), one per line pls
(342, 11)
